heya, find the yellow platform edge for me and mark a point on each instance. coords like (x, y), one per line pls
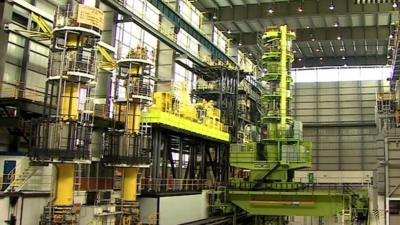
(184, 124)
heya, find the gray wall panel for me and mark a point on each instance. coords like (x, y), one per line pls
(343, 145)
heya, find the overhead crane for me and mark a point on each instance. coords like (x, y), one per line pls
(263, 166)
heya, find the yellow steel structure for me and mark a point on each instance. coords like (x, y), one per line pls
(184, 116)
(64, 185)
(129, 184)
(184, 124)
(133, 72)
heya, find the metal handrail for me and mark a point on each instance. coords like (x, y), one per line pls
(171, 185)
(13, 90)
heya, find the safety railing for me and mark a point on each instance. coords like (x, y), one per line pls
(16, 171)
(50, 139)
(13, 90)
(173, 185)
(95, 183)
(74, 64)
(24, 176)
(102, 111)
(293, 154)
(297, 187)
(68, 15)
(362, 180)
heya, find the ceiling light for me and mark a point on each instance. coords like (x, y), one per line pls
(394, 5)
(345, 65)
(317, 50)
(391, 36)
(300, 9)
(250, 54)
(270, 10)
(343, 57)
(321, 59)
(294, 51)
(214, 17)
(388, 57)
(332, 6)
(229, 31)
(308, 27)
(312, 37)
(342, 49)
(240, 44)
(339, 38)
(336, 24)
(299, 59)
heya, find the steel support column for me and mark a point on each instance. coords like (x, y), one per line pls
(156, 154)
(180, 162)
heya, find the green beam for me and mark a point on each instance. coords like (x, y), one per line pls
(290, 203)
(181, 23)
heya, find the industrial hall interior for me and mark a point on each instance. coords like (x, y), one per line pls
(191, 112)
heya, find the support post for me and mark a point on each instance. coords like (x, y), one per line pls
(129, 187)
(64, 185)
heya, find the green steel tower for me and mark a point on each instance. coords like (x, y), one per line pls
(263, 168)
(277, 149)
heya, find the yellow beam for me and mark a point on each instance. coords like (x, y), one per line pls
(107, 56)
(47, 31)
(64, 185)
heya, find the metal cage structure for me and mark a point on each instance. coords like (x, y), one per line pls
(220, 85)
(64, 132)
(125, 142)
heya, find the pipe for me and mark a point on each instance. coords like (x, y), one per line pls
(386, 182)
(65, 185)
(283, 84)
(129, 184)
(22, 209)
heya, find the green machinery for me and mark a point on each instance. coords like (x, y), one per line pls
(263, 168)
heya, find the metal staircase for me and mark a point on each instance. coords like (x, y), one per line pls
(20, 175)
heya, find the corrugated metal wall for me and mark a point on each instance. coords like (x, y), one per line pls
(339, 119)
(37, 55)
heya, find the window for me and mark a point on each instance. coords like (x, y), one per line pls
(188, 42)
(189, 13)
(219, 39)
(344, 73)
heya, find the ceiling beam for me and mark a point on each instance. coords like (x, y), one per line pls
(319, 34)
(338, 61)
(288, 9)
